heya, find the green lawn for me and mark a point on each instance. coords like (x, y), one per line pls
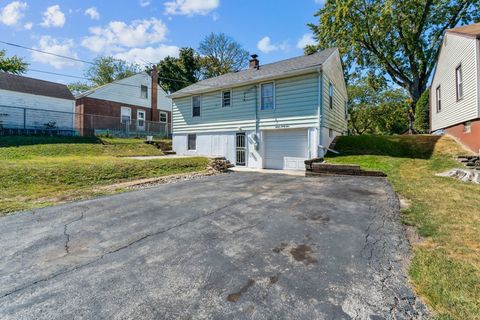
(445, 269)
(40, 171)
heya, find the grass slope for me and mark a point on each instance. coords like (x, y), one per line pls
(445, 269)
(40, 171)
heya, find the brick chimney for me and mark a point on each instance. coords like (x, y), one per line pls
(154, 116)
(254, 63)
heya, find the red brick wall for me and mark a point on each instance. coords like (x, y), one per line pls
(469, 140)
(103, 114)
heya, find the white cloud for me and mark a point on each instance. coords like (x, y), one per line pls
(191, 7)
(117, 35)
(53, 17)
(148, 55)
(305, 40)
(145, 3)
(266, 46)
(12, 13)
(52, 45)
(28, 26)
(92, 13)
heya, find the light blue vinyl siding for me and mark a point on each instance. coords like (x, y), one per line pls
(296, 103)
(333, 118)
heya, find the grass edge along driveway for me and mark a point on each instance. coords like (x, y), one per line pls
(40, 171)
(445, 268)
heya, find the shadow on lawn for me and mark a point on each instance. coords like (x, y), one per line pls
(415, 146)
(17, 141)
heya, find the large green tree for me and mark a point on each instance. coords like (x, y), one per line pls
(178, 73)
(102, 71)
(375, 108)
(221, 54)
(12, 64)
(108, 69)
(399, 38)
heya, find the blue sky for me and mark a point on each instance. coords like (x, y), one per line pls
(145, 31)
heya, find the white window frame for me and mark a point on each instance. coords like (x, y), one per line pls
(130, 114)
(467, 127)
(331, 93)
(160, 117)
(222, 99)
(200, 106)
(438, 99)
(188, 144)
(141, 91)
(459, 82)
(139, 111)
(274, 95)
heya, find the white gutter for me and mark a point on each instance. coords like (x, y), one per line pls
(320, 110)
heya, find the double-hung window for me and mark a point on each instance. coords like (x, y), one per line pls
(192, 142)
(330, 95)
(459, 82)
(144, 92)
(125, 115)
(226, 98)
(196, 105)
(438, 99)
(163, 116)
(267, 91)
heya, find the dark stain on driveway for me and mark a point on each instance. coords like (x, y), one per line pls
(240, 245)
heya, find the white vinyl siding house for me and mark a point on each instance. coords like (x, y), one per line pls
(27, 103)
(273, 122)
(455, 93)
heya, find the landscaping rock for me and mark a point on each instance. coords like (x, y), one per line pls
(463, 175)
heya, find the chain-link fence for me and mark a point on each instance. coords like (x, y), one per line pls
(29, 121)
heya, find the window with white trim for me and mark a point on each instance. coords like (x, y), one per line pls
(226, 98)
(192, 141)
(144, 92)
(467, 127)
(330, 95)
(459, 82)
(267, 92)
(125, 115)
(163, 116)
(438, 99)
(196, 106)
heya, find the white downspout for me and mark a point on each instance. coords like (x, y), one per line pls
(320, 113)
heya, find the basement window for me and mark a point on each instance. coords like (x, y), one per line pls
(192, 142)
(467, 127)
(144, 92)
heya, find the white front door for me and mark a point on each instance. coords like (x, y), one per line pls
(285, 149)
(141, 120)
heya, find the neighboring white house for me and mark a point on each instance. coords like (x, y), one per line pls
(27, 103)
(268, 116)
(136, 102)
(454, 94)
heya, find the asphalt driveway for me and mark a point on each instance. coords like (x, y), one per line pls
(234, 246)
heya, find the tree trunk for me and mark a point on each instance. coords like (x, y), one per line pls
(415, 93)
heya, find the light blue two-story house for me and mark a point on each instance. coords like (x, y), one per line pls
(271, 116)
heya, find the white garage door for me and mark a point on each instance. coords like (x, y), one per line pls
(286, 149)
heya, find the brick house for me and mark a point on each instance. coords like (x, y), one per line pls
(134, 105)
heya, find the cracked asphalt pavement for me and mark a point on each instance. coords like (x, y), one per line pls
(233, 246)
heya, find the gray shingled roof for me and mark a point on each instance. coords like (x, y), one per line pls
(12, 82)
(267, 71)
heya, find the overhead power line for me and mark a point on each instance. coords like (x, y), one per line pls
(83, 61)
(45, 52)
